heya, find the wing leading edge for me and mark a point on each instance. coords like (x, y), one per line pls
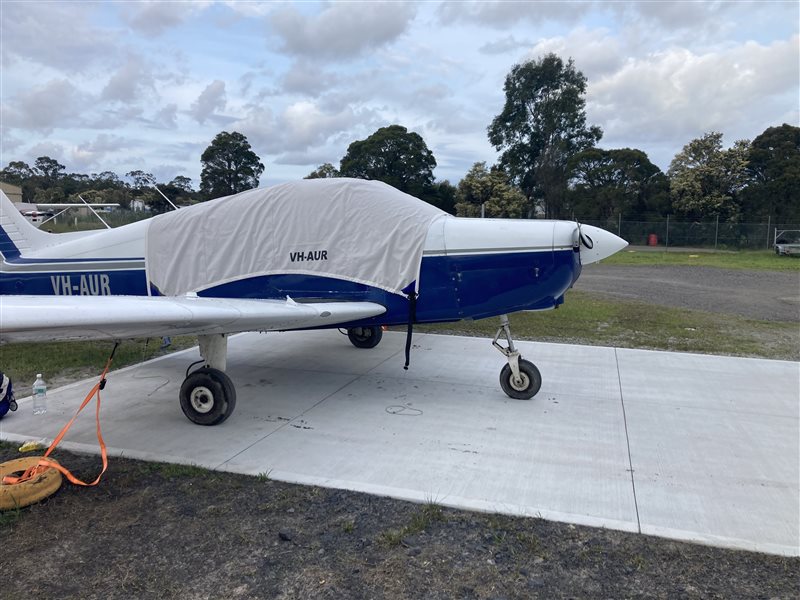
(48, 318)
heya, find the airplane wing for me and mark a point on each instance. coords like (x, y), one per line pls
(48, 318)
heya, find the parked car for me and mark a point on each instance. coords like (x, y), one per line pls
(788, 244)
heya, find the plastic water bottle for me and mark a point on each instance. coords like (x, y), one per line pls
(39, 395)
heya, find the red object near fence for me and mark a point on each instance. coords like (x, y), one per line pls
(652, 240)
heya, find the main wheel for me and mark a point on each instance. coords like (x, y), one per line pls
(365, 337)
(529, 383)
(207, 396)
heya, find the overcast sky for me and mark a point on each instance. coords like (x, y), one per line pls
(147, 85)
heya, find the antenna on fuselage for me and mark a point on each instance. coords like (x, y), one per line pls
(165, 198)
(94, 211)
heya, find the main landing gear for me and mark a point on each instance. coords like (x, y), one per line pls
(365, 337)
(520, 379)
(207, 395)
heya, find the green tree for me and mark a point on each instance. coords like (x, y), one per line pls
(442, 195)
(182, 183)
(16, 172)
(20, 173)
(324, 171)
(140, 180)
(706, 181)
(394, 156)
(49, 168)
(492, 190)
(229, 166)
(774, 170)
(179, 191)
(542, 124)
(608, 183)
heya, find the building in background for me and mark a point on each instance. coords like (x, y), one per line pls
(14, 192)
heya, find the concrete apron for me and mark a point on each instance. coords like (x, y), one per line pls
(690, 447)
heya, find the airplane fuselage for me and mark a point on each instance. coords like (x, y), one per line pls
(471, 268)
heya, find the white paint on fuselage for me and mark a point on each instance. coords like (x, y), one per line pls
(126, 241)
(458, 236)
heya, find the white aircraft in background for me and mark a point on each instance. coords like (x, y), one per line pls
(324, 253)
(44, 213)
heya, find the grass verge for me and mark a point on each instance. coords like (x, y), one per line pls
(597, 320)
(760, 260)
(60, 362)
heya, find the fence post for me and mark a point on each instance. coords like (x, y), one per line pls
(619, 226)
(769, 221)
(716, 233)
(666, 245)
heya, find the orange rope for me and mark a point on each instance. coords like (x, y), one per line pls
(46, 463)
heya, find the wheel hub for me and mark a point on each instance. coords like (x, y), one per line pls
(201, 399)
(520, 384)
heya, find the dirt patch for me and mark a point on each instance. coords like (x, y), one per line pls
(153, 530)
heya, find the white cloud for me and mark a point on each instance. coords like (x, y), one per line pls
(259, 127)
(596, 51)
(210, 101)
(503, 45)
(45, 107)
(153, 18)
(341, 30)
(91, 154)
(681, 15)
(55, 34)
(504, 14)
(131, 81)
(305, 77)
(52, 149)
(167, 117)
(679, 94)
(305, 125)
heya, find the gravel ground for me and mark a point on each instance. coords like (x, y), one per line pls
(764, 295)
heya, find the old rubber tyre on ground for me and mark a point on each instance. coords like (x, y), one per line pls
(207, 396)
(365, 337)
(29, 492)
(529, 384)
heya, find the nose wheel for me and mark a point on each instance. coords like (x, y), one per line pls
(520, 379)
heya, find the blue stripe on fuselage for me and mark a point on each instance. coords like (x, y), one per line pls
(75, 283)
(451, 287)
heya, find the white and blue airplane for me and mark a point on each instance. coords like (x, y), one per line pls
(313, 254)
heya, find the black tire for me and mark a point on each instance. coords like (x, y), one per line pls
(365, 337)
(531, 381)
(207, 396)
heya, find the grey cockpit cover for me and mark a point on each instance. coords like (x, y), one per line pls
(362, 231)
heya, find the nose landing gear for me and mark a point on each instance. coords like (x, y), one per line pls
(520, 379)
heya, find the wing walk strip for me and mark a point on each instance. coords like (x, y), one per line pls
(628, 442)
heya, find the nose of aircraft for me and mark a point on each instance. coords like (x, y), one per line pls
(597, 244)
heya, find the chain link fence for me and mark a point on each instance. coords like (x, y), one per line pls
(718, 235)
